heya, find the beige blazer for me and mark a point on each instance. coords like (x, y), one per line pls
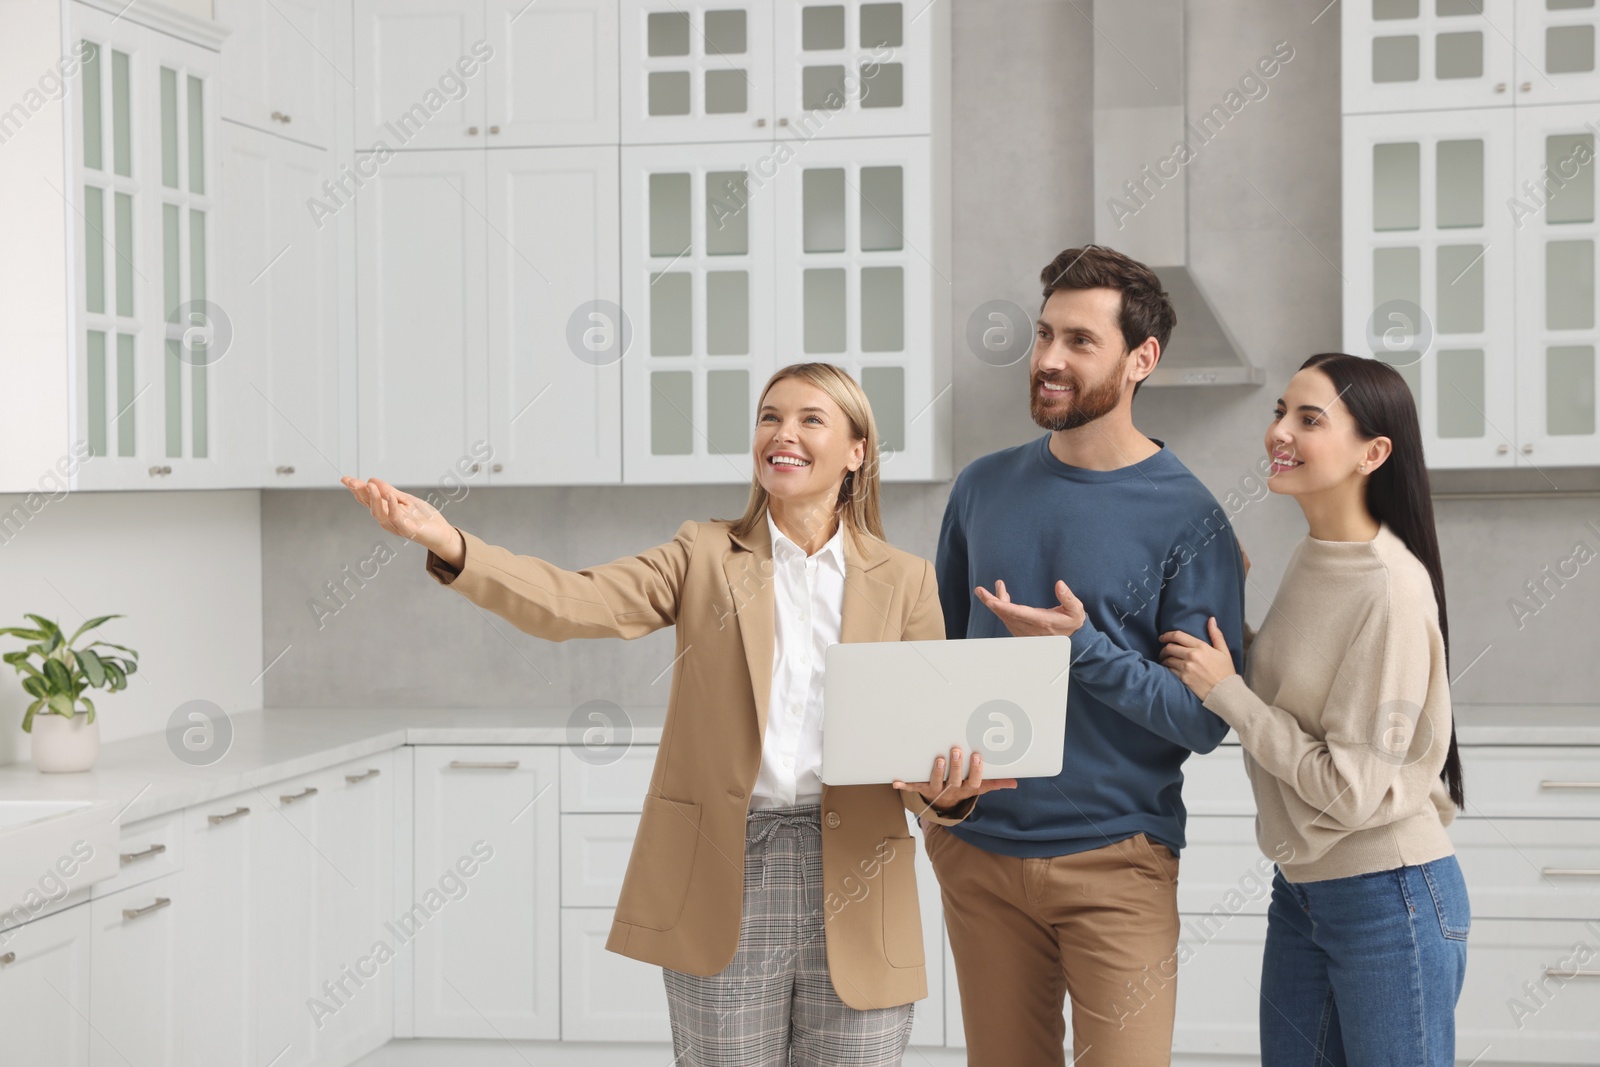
(681, 899)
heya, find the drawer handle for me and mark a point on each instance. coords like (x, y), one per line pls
(308, 791)
(234, 814)
(9, 957)
(1553, 972)
(153, 850)
(1569, 785)
(1571, 872)
(354, 778)
(134, 913)
(484, 765)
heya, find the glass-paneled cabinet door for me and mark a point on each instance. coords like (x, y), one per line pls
(696, 70)
(854, 68)
(697, 286)
(1412, 55)
(1556, 241)
(861, 281)
(1556, 51)
(1428, 267)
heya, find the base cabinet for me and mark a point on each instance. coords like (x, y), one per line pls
(44, 989)
(135, 996)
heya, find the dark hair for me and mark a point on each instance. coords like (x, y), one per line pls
(1146, 311)
(1397, 492)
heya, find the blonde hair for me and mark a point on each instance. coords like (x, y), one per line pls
(857, 504)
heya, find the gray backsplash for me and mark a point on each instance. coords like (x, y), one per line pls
(1264, 208)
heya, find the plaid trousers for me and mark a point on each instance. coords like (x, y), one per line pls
(774, 1005)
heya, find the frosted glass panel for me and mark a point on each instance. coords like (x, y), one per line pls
(822, 203)
(885, 87)
(1394, 9)
(1397, 186)
(1567, 5)
(121, 129)
(124, 250)
(97, 393)
(1570, 157)
(669, 92)
(1460, 289)
(672, 413)
(824, 310)
(1409, 365)
(1569, 285)
(886, 390)
(1461, 392)
(822, 88)
(94, 248)
(727, 313)
(822, 28)
(727, 213)
(669, 214)
(169, 128)
(171, 261)
(1394, 59)
(126, 391)
(1569, 389)
(1459, 7)
(725, 32)
(726, 92)
(1396, 275)
(91, 107)
(882, 209)
(1460, 183)
(671, 315)
(1458, 55)
(667, 33)
(197, 254)
(728, 412)
(197, 136)
(1568, 49)
(883, 309)
(880, 25)
(172, 369)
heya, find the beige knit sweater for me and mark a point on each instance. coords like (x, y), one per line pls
(1344, 713)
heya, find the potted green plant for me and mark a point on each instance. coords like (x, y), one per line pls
(65, 738)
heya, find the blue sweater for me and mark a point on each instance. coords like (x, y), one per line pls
(1147, 549)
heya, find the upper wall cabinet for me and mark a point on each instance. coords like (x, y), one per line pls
(853, 68)
(280, 61)
(696, 72)
(484, 73)
(1556, 51)
(1412, 55)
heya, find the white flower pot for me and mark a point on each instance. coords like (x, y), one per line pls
(63, 744)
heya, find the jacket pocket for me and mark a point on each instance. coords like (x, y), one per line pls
(660, 867)
(902, 918)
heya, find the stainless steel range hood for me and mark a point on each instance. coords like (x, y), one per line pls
(1141, 185)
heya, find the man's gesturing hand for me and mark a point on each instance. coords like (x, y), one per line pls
(1023, 621)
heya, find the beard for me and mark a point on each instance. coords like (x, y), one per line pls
(1085, 406)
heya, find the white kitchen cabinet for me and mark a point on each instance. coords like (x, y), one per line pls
(554, 343)
(553, 78)
(225, 875)
(279, 65)
(136, 1009)
(487, 896)
(1532, 992)
(422, 311)
(1414, 55)
(856, 68)
(696, 72)
(928, 1018)
(604, 996)
(284, 931)
(44, 989)
(1556, 52)
(1429, 264)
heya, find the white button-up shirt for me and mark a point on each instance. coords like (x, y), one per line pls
(807, 607)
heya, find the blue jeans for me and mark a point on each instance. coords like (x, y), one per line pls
(1365, 971)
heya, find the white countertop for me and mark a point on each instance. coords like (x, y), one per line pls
(272, 744)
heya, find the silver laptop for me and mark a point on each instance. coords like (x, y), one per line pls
(890, 707)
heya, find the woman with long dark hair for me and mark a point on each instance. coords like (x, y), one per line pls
(1344, 716)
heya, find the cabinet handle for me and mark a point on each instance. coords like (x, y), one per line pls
(1569, 785)
(9, 957)
(1502, 450)
(278, 116)
(153, 850)
(1554, 972)
(484, 765)
(783, 122)
(285, 470)
(1500, 87)
(1527, 450)
(494, 129)
(498, 467)
(472, 131)
(1571, 872)
(134, 913)
(760, 123)
(160, 470)
(354, 778)
(308, 791)
(1527, 86)
(234, 814)
(473, 469)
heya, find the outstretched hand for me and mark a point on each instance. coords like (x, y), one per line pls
(1023, 621)
(409, 516)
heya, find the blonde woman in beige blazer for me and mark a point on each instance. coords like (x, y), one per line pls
(784, 912)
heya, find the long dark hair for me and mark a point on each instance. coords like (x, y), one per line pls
(1397, 492)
